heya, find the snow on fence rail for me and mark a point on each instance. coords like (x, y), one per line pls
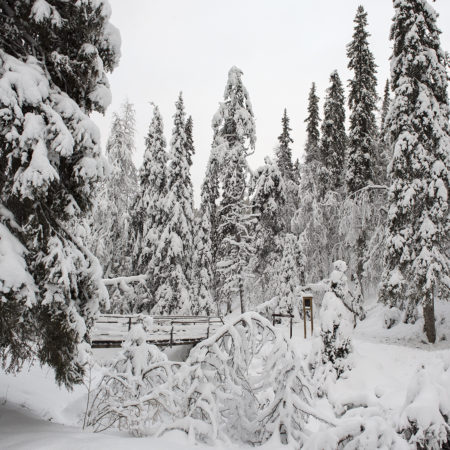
(110, 330)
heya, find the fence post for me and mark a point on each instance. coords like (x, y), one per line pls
(290, 331)
(129, 323)
(171, 334)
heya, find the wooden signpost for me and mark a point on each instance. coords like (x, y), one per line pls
(308, 306)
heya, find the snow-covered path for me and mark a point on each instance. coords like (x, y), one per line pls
(20, 429)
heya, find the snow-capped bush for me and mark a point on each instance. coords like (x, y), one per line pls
(244, 384)
(248, 384)
(127, 395)
(425, 418)
(362, 428)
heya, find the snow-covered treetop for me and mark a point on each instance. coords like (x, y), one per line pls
(234, 120)
(153, 171)
(121, 145)
(312, 128)
(284, 151)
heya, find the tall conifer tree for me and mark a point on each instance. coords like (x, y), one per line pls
(334, 139)
(288, 172)
(206, 240)
(149, 216)
(173, 257)
(234, 138)
(383, 154)
(268, 203)
(284, 151)
(362, 102)
(312, 150)
(53, 64)
(417, 267)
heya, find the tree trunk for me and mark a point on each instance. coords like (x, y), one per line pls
(429, 325)
(360, 252)
(241, 297)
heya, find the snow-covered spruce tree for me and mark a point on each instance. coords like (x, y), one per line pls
(312, 150)
(330, 355)
(204, 275)
(363, 134)
(173, 257)
(203, 267)
(149, 215)
(268, 200)
(235, 231)
(385, 105)
(202, 302)
(362, 102)
(284, 162)
(53, 62)
(417, 263)
(234, 138)
(284, 151)
(189, 139)
(334, 140)
(297, 171)
(111, 216)
(383, 154)
(289, 274)
(321, 186)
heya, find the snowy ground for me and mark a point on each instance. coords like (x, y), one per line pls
(36, 414)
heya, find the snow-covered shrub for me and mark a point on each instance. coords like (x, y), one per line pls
(361, 428)
(330, 356)
(128, 395)
(392, 317)
(339, 285)
(425, 418)
(245, 384)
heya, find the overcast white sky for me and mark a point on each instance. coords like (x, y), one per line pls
(281, 45)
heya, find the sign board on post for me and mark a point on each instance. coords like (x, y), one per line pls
(308, 306)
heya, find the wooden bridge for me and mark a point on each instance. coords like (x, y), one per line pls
(110, 330)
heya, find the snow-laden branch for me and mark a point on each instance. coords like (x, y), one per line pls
(125, 280)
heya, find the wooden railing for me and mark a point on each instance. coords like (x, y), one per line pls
(290, 316)
(110, 330)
